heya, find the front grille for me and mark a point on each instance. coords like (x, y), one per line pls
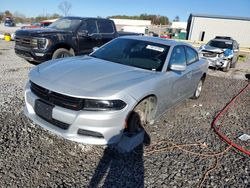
(209, 54)
(23, 41)
(64, 101)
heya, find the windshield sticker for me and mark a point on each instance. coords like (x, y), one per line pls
(155, 48)
(228, 42)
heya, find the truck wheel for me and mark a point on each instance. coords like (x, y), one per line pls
(198, 90)
(226, 69)
(61, 53)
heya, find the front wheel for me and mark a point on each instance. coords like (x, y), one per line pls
(61, 53)
(198, 90)
(226, 69)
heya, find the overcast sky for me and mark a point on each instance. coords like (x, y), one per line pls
(104, 8)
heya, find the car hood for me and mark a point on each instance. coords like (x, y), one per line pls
(86, 76)
(212, 49)
(39, 32)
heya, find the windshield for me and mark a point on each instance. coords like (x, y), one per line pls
(65, 24)
(220, 44)
(135, 53)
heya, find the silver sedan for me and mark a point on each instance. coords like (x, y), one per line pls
(121, 87)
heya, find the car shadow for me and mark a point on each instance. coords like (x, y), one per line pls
(120, 169)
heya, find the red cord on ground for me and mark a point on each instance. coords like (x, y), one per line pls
(221, 113)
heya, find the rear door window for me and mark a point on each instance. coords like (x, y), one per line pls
(191, 54)
(105, 27)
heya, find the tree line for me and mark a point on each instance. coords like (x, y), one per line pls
(155, 19)
(21, 18)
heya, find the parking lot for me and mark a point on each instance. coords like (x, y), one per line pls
(184, 150)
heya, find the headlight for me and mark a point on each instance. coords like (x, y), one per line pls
(40, 43)
(221, 55)
(103, 105)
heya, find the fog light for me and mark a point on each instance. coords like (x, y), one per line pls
(89, 133)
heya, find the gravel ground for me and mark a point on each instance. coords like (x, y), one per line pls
(33, 157)
(238, 119)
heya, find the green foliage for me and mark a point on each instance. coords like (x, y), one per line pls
(20, 18)
(7, 13)
(176, 19)
(155, 19)
(47, 17)
(242, 58)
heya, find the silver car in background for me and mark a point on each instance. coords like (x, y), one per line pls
(121, 87)
(221, 52)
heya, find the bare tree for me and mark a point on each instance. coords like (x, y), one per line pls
(176, 19)
(65, 7)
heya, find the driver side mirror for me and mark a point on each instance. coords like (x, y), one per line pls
(178, 67)
(83, 33)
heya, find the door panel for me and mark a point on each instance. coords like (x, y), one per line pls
(174, 86)
(107, 30)
(181, 85)
(91, 40)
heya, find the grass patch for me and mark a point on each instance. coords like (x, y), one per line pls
(242, 58)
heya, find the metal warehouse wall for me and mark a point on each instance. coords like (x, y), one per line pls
(238, 29)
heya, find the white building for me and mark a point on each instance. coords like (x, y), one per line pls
(128, 25)
(203, 27)
(179, 25)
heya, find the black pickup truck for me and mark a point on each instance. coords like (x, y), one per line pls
(68, 36)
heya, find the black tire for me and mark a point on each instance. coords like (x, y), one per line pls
(198, 90)
(226, 69)
(134, 123)
(233, 65)
(61, 53)
(137, 121)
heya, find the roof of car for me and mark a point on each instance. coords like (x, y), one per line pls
(158, 40)
(84, 18)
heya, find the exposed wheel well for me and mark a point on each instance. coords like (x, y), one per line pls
(65, 46)
(146, 108)
(203, 77)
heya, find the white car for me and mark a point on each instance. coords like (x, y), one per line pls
(121, 87)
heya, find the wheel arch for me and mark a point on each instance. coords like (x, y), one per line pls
(204, 76)
(65, 46)
(153, 104)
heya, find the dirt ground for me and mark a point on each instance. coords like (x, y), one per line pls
(181, 153)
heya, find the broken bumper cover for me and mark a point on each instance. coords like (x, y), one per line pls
(217, 62)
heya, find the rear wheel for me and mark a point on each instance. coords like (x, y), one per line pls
(198, 90)
(61, 53)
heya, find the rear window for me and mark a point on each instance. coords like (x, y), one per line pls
(105, 27)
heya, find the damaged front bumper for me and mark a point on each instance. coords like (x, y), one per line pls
(217, 62)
